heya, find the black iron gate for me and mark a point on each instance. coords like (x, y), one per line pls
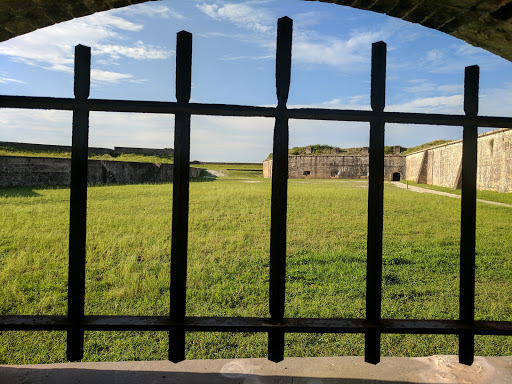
(276, 325)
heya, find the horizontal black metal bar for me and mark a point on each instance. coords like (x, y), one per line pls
(255, 324)
(163, 107)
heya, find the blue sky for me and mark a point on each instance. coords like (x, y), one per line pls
(233, 62)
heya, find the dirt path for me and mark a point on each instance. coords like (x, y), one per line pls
(424, 190)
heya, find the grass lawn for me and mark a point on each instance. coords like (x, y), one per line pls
(129, 229)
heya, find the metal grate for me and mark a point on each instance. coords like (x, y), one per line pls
(276, 325)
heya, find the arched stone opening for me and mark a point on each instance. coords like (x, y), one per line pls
(396, 176)
(483, 23)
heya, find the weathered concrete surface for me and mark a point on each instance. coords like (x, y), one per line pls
(483, 23)
(18, 170)
(441, 165)
(338, 167)
(316, 370)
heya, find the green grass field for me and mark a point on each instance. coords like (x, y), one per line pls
(128, 250)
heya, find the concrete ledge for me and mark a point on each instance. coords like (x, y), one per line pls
(314, 370)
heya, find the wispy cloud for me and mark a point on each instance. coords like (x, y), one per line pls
(139, 52)
(309, 47)
(107, 19)
(5, 80)
(346, 54)
(308, 19)
(439, 104)
(241, 14)
(109, 77)
(496, 101)
(36, 126)
(455, 57)
(151, 10)
(52, 48)
(419, 86)
(231, 58)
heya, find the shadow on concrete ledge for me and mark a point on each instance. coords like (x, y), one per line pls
(91, 376)
(322, 370)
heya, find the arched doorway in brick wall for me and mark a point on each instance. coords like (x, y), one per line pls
(483, 23)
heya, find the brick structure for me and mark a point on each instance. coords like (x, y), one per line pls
(20, 170)
(440, 165)
(337, 167)
(483, 23)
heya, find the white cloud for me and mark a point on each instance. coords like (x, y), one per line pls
(242, 15)
(36, 126)
(435, 55)
(454, 57)
(440, 104)
(52, 48)
(151, 10)
(231, 58)
(419, 86)
(236, 139)
(108, 76)
(308, 19)
(343, 54)
(131, 130)
(5, 80)
(139, 52)
(451, 88)
(497, 101)
(309, 47)
(106, 18)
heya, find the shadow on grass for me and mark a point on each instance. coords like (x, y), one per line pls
(94, 376)
(204, 177)
(18, 192)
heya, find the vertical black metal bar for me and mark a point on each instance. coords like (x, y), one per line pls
(78, 206)
(279, 189)
(180, 197)
(468, 215)
(375, 203)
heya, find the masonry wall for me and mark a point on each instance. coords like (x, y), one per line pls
(342, 167)
(495, 161)
(18, 171)
(441, 165)
(436, 166)
(267, 168)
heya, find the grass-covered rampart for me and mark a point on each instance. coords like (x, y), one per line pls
(128, 251)
(9, 151)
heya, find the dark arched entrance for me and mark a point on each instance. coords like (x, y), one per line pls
(396, 176)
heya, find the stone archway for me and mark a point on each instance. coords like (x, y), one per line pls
(483, 23)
